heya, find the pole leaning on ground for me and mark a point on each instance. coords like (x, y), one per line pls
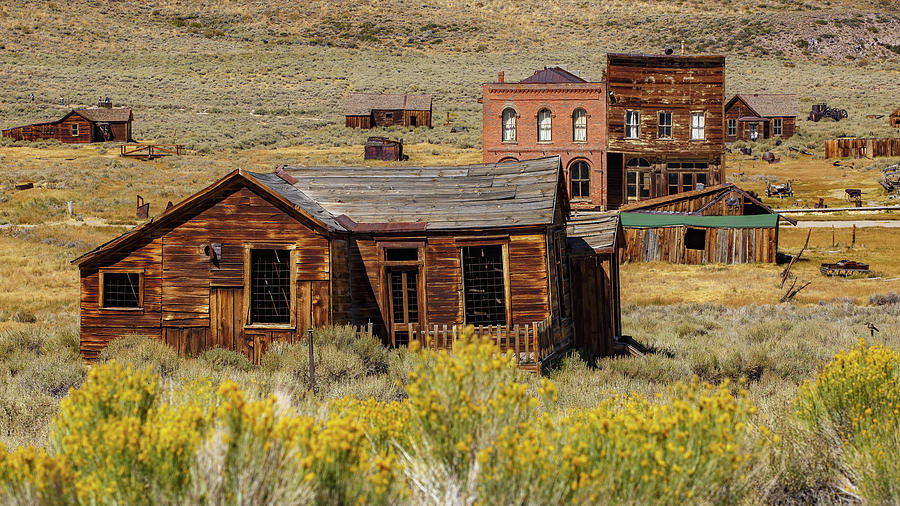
(312, 361)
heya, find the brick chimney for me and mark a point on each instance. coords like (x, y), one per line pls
(501, 77)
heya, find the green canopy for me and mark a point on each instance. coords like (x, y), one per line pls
(648, 220)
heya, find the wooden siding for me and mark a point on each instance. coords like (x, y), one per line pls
(358, 121)
(62, 131)
(187, 297)
(739, 109)
(386, 118)
(723, 245)
(595, 298)
(861, 148)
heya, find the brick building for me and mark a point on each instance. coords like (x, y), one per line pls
(553, 112)
(665, 121)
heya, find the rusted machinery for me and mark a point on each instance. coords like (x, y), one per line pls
(382, 148)
(779, 190)
(890, 178)
(822, 110)
(844, 268)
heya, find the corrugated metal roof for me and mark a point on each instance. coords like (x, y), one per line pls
(109, 114)
(653, 220)
(592, 231)
(362, 104)
(445, 198)
(771, 104)
(552, 75)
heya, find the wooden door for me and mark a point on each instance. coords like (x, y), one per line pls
(226, 322)
(403, 298)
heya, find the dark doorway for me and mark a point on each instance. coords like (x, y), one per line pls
(615, 169)
(413, 120)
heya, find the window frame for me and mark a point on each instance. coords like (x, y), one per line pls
(660, 125)
(461, 244)
(74, 129)
(579, 113)
(102, 297)
(732, 127)
(694, 231)
(503, 129)
(702, 127)
(636, 124)
(540, 129)
(292, 296)
(777, 126)
(572, 180)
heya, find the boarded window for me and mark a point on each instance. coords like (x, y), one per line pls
(776, 126)
(580, 174)
(665, 125)
(632, 119)
(732, 127)
(579, 125)
(484, 285)
(698, 125)
(121, 289)
(544, 126)
(270, 286)
(509, 125)
(695, 238)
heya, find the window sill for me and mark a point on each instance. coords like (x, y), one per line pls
(116, 309)
(665, 138)
(579, 142)
(545, 142)
(269, 326)
(632, 138)
(509, 142)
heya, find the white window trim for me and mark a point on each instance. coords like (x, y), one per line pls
(637, 124)
(659, 124)
(549, 117)
(515, 125)
(732, 124)
(576, 127)
(702, 127)
(777, 126)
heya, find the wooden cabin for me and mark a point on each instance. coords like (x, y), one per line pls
(369, 110)
(719, 224)
(756, 116)
(665, 125)
(104, 123)
(895, 118)
(418, 252)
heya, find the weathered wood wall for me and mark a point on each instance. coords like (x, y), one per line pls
(723, 245)
(61, 131)
(193, 304)
(358, 121)
(379, 118)
(595, 299)
(718, 203)
(861, 148)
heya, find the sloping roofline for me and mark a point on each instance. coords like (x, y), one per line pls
(172, 214)
(644, 204)
(77, 112)
(738, 97)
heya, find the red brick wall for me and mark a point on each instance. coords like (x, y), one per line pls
(562, 99)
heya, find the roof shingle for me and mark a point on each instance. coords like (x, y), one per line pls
(770, 105)
(362, 104)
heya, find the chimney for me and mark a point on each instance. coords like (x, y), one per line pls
(501, 77)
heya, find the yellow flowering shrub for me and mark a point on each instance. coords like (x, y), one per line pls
(857, 397)
(32, 476)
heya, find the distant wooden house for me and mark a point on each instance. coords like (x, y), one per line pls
(81, 126)
(382, 148)
(760, 115)
(895, 118)
(369, 110)
(419, 252)
(718, 224)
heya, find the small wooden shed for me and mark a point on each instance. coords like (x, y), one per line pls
(382, 148)
(418, 252)
(80, 126)
(719, 224)
(895, 118)
(369, 110)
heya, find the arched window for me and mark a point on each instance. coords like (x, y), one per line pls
(579, 125)
(637, 179)
(580, 177)
(509, 125)
(544, 125)
(508, 159)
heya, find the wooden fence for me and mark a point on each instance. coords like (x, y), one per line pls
(861, 148)
(150, 151)
(530, 343)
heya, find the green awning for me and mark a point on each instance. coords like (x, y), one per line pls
(648, 220)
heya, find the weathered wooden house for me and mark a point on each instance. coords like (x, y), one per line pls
(382, 148)
(895, 118)
(718, 224)
(665, 121)
(552, 112)
(369, 110)
(81, 126)
(751, 116)
(416, 251)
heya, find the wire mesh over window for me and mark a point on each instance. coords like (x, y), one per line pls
(404, 296)
(483, 284)
(270, 286)
(121, 289)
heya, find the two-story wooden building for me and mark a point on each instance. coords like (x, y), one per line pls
(419, 252)
(553, 112)
(665, 125)
(756, 116)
